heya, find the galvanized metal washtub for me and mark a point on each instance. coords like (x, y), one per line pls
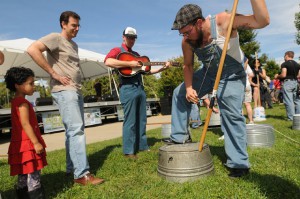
(296, 122)
(184, 162)
(165, 130)
(215, 120)
(260, 135)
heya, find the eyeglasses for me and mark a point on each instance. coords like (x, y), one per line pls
(76, 25)
(130, 37)
(187, 33)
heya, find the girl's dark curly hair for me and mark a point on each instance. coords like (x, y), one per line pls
(17, 75)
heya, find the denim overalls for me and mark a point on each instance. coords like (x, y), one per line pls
(133, 100)
(230, 97)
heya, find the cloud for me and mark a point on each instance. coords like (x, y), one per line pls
(6, 36)
(282, 16)
(155, 51)
(279, 36)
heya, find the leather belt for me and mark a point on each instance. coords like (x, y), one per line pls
(289, 80)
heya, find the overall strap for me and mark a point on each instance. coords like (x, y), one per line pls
(213, 27)
(136, 79)
(122, 49)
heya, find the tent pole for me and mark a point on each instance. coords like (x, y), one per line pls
(109, 73)
(115, 86)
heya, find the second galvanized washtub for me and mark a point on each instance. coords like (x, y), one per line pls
(260, 135)
(165, 130)
(296, 122)
(215, 120)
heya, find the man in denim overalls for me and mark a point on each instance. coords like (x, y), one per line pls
(205, 38)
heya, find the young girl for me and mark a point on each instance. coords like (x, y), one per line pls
(26, 153)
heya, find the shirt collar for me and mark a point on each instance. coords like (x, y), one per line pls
(126, 48)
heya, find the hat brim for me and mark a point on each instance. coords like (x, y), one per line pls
(127, 35)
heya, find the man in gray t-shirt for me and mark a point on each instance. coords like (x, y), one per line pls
(62, 64)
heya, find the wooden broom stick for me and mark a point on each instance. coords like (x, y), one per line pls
(219, 73)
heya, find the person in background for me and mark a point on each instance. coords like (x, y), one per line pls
(132, 95)
(205, 37)
(257, 83)
(272, 90)
(266, 96)
(64, 68)
(290, 71)
(1, 58)
(248, 92)
(26, 152)
(277, 90)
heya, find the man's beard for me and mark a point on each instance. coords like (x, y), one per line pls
(197, 43)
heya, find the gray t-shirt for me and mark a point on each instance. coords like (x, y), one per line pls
(62, 55)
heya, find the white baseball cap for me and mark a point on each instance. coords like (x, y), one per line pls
(130, 32)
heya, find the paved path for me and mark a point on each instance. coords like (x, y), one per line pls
(99, 133)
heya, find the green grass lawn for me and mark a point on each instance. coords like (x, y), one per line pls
(275, 171)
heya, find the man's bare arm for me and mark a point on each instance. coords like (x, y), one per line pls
(35, 50)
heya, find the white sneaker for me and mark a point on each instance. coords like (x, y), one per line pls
(221, 138)
(251, 122)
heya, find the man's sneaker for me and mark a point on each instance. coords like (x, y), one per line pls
(237, 173)
(170, 141)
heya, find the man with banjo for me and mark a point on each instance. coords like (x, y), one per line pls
(132, 95)
(205, 37)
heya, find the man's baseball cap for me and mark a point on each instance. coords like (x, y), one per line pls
(130, 32)
(186, 15)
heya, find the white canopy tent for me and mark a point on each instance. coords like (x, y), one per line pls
(91, 63)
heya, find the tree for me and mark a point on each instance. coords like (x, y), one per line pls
(248, 44)
(272, 68)
(5, 96)
(297, 24)
(174, 75)
(151, 86)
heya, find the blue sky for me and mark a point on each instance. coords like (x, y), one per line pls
(104, 21)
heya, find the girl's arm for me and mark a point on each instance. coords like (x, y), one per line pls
(24, 118)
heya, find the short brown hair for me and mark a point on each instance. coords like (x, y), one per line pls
(64, 17)
(289, 54)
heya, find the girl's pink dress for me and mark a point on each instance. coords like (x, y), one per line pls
(21, 154)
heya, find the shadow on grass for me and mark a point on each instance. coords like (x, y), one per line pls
(152, 141)
(96, 160)
(3, 162)
(279, 117)
(218, 151)
(4, 137)
(215, 130)
(274, 187)
(53, 184)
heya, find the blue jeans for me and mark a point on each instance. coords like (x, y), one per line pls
(133, 100)
(195, 116)
(70, 105)
(290, 98)
(230, 97)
